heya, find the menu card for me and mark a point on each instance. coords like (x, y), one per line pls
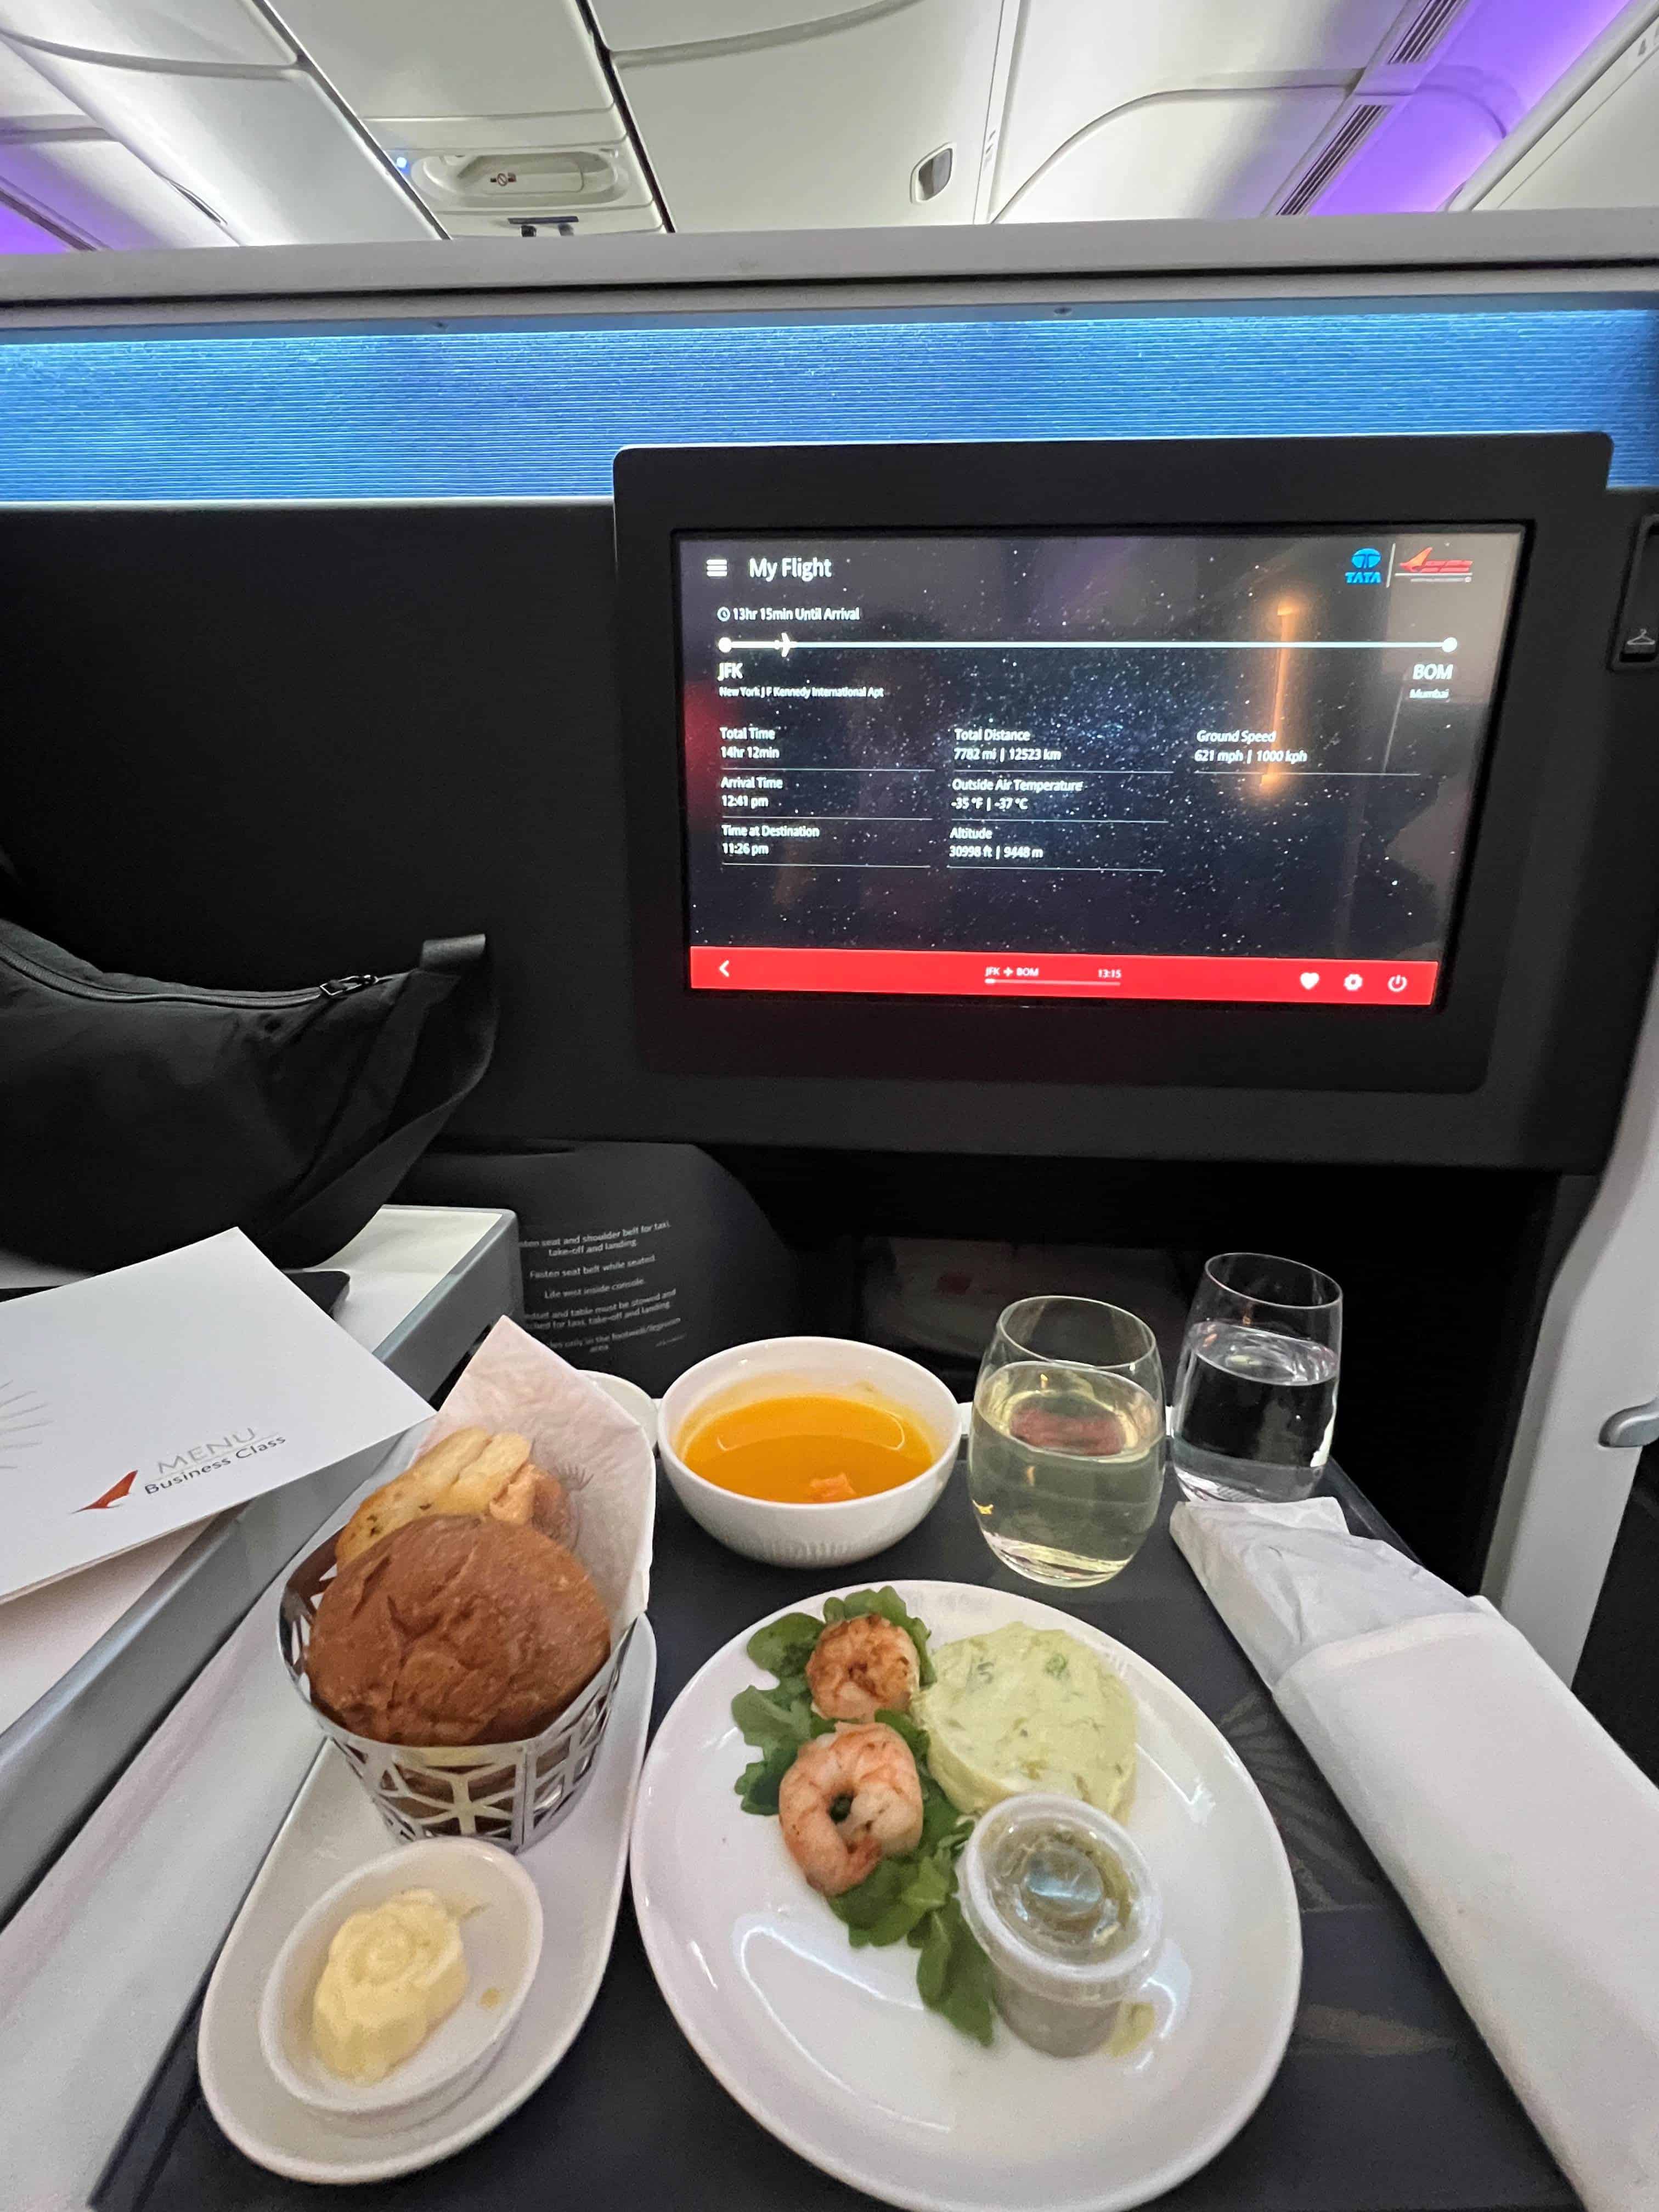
(157, 1395)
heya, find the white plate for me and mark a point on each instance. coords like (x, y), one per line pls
(332, 1829)
(832, 2048)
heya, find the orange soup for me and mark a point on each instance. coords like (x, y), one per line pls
(807, 1448)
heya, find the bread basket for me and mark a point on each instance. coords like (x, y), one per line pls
(511, 1793)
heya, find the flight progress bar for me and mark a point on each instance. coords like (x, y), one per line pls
(784, 645)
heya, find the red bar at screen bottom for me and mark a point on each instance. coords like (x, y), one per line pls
(1242, 981)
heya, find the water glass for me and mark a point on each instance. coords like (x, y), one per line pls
(1065, 1447)
(1255, 1388)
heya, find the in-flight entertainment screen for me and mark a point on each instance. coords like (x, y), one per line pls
(1228, 767)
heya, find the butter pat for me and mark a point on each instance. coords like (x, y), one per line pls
(1027, 1709)
(392, 1975)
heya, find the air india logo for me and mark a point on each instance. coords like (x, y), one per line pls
(1423, 568)
(114, 1495)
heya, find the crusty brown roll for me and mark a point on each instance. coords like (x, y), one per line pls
(456, 1630)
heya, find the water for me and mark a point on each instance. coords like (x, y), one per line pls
(1065, 1467)
(1252, 1414)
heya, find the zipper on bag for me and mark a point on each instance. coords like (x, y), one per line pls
(79, 986)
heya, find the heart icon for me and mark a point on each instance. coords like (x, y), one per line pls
(1309, 977)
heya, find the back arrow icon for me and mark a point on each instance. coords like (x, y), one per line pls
(726, 967)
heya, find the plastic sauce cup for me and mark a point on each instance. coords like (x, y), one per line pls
(1066, 1910)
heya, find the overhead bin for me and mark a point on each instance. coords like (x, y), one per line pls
(840, 124)
(273, 155)
(57, 164)
(1180, 154)
(632, 25)
(428, 58)
(205, 33)
(26, 99)
(103, 194)
(1068, 77)
(1602, 153)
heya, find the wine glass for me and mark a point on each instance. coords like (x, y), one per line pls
(1255, 1386)
(1065, 1447)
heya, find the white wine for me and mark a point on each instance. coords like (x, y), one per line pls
(1065, 1469)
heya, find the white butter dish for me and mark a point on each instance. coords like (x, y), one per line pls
(501, 1932)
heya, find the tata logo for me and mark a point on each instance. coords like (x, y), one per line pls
(1364, 565)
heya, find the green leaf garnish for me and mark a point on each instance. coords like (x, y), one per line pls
(758, 1785)
(913, 1732)
(941, 1823)
(910, 1899)
(776, 1724)
(888, 1904)
(953, 1975)
(767, 1719)
(783, 1647)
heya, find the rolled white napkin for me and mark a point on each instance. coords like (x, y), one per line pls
(1288, 1578)
(1524, 1842)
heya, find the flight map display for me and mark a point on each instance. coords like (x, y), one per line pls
(1222, 766)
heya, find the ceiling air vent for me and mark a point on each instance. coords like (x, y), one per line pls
(1357, 126)
(1426, 29)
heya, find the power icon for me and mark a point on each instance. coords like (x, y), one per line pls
(1396, 983)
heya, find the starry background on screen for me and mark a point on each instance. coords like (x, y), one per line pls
(1353, 849)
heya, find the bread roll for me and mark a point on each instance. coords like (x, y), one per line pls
(456, 1630)
(535, 1499)
(480, 1480)
(470, 1472)
(416, 1490)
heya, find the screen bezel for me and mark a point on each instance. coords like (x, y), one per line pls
(1545, 486)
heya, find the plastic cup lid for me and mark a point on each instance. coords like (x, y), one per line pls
(1039, 1967)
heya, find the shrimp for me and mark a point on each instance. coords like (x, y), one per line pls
(861, 1667)
(871, 1765)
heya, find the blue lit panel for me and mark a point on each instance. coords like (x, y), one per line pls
(406, 413)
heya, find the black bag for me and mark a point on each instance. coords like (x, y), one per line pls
(137, 1115)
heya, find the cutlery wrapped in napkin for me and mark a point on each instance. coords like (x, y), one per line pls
(1524, 1842)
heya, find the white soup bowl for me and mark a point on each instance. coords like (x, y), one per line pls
(818, 1535)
